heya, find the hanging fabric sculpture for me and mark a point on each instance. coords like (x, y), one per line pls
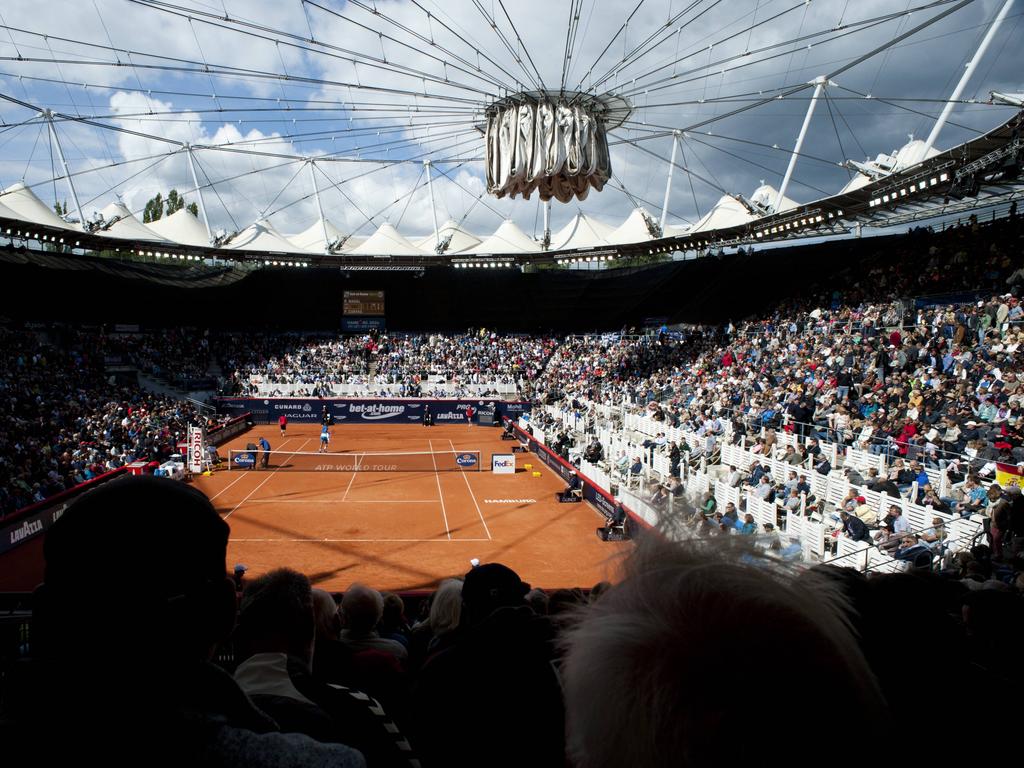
(556, 148)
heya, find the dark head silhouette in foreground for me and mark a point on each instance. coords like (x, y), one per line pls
(136, 598)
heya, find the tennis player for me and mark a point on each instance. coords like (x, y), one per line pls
(325, 438)
(283, 423)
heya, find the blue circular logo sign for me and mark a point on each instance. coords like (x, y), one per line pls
(465, 459)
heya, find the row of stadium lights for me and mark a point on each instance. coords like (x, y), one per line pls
(810, 221)
(584, 259)
(914, 187)
(484, 264)
(188, 257)
(158, 255)
(36, 236)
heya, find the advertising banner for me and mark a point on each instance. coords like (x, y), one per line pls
(195, 450)
(503, 463)
(347, 411)
(35, 520)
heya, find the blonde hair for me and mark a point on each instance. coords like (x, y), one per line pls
(446, 607)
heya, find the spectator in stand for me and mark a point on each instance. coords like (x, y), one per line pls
(439, 631)
(854, 527)
(275, 639)
(896, 521)
(918, 553)
(500, 663)
(361, 612)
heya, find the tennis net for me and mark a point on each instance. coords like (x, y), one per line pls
(413, 461)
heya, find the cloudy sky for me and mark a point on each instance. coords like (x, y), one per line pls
(374, 93)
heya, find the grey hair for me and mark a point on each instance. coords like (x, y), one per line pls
(361, 608)
(446, 607)
(685, 658)
(325, 611)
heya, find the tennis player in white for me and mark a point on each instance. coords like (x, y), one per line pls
(325, 438)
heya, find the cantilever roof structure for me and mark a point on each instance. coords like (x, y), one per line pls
(420, 124)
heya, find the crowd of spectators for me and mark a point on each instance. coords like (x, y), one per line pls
(65, 420)
(934, 383)
(258, 363)
(409, 365)
(178, 355)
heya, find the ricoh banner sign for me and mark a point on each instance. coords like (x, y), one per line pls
(311, 410)
(195, 450)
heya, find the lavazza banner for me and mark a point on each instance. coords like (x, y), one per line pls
(267, 410)
(37, 519)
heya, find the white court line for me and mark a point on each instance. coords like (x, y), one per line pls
(473, 496)
(440, 493)
(318, 541)
(340, 501)
(241, 473)
(263, 483)
(352, 480)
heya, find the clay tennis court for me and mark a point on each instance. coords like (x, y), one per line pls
(404, 530)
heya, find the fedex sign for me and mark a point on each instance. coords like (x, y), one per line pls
(503, 463)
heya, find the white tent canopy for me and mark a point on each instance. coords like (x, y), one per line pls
(387, 240)
(727, 212)
(181, 227)
(262, 236)
(28, 207)
(125, 226)
(581, 232)
(461, 239)
(7, 213)
(632, 230)
(673, 230)
(312, 238)
(508, 238)
(352, 243)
